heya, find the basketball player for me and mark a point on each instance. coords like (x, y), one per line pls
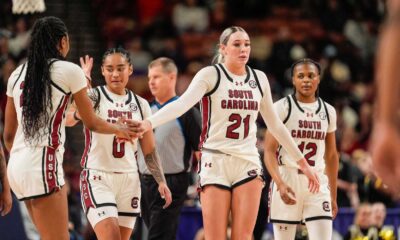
(231, 95)
(110, 186)
(39, 94)
(386, 133)
(312, 124)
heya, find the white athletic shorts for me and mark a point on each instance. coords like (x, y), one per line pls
(35, 172)
(108, 194)
(226, 171)
(308, 206)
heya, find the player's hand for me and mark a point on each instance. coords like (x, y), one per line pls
(334, 208)
(313, 180)
(5, 202)
(145, 126)
(165, 194)
(126, 130)
(287, 194)
(87, 65)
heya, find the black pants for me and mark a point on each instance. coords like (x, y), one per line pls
(163, 223)
(262, 216)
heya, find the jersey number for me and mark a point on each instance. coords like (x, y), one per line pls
(312, 150)
(237, 120)
(118, 149)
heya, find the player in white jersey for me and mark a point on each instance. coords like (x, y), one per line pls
(231, 95)
(110, 186)
(39, 93)
(312, 124)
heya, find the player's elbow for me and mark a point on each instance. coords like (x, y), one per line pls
(91, 126)
(8, 140)
(332, 157)
(91, 122)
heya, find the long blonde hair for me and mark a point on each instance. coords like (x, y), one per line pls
(223, 39)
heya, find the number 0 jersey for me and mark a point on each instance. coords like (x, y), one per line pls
(229, 114)
(308, 124)
(102, 151)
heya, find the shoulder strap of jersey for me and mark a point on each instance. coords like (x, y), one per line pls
(257, 81)
(20, 73)
(53, 83)
(129, 93)
(326, 111)
(217, 84)
(289, 109)
(96, 98)
(102, 88)
(139, 106)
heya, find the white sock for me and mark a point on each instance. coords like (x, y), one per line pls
(319, 229)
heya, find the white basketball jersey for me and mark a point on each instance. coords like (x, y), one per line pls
(66, 79)
(102, 151)
(308, 124)
(229, 114)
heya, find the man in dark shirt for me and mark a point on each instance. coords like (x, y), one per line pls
(175, 141)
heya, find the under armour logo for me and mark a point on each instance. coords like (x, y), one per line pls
(207, 165)
(310, 114)
(96, 177)
(282, 228)
(102, 213)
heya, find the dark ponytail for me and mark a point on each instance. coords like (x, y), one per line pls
(36, 104)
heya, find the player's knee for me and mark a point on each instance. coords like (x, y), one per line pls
(107, 229)
(242, 235)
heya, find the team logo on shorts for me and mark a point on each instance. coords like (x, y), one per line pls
(322, 115)
(135, 202)
(283, 228)
(326, 206)
(252, 84)
(252, 173)
(133, 107)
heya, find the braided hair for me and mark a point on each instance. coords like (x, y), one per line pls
(119, 50)
(45, 38)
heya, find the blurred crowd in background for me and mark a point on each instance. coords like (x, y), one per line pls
(340, 34)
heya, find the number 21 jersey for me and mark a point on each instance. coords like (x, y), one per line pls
(229, 113)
